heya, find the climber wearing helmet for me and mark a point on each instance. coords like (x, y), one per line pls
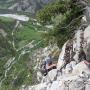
(47, 65)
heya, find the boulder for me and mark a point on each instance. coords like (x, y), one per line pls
(81, 68)
(51, 75)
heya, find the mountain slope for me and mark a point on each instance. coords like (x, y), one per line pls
(17, 43)
(30, 6)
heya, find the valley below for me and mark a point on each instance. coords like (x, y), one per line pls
(19, 38)
(35, 31)
(17, 17)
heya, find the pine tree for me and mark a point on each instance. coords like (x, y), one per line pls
(69, 13)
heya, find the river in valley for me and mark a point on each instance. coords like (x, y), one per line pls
(16, 16)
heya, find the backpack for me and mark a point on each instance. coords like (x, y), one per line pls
(43, 68)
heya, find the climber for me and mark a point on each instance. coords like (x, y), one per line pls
(47, 65)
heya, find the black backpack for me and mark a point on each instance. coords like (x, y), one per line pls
(43, 68)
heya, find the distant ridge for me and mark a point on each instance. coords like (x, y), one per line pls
(30, 6)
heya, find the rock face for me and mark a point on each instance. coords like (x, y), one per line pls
(75, 75)
(40, 55)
